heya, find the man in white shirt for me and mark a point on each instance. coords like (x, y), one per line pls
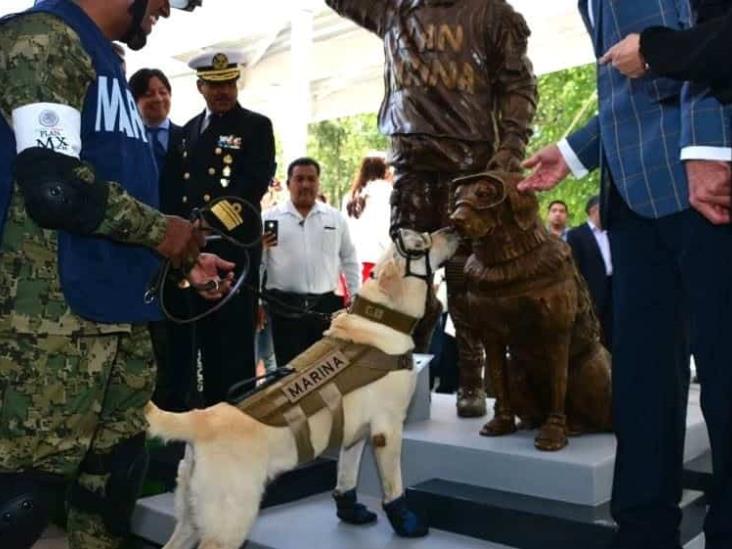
(303, 260)
(591, 250)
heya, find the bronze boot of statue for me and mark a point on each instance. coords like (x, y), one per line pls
(471, 394)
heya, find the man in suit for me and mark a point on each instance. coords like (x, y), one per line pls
(174, 388)
(654, 140)
(699, 54)
(226, 150)
(153, 95)
(591, 250)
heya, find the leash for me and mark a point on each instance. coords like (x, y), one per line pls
(238, 392)
(226, 211)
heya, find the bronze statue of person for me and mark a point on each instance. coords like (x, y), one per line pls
(460, 98)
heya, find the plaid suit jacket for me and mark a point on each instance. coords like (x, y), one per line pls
(643, 125)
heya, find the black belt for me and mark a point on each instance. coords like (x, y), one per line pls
(293, 305)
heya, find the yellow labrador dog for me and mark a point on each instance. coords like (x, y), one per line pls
(230, 455)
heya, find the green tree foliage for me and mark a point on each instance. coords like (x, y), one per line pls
(340, 145)
(567, 101)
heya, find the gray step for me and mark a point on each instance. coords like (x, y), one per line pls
(312, 523)
(529, 523)
(696, 543)
(698, 473)
(308, 523)
(450, 448)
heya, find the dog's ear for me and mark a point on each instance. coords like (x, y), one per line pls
(524, 206)
(389, 277)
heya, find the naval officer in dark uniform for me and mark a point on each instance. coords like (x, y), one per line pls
(226, 150)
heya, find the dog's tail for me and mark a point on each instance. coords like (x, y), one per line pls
(171, 426)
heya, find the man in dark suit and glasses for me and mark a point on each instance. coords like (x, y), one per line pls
(175, 387)
(591, 250)
(655, 140)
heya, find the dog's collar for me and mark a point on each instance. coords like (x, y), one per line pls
(383, 315)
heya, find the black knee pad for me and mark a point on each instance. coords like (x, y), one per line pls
(126, 466)
(25, 509)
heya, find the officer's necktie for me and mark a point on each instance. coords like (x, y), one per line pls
(210, 120)
(157, 147)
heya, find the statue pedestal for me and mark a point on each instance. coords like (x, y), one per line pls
(492, 493)
(420, 408)
(450, 448)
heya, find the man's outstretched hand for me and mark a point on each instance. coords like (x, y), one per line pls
(549, 169)
(206, 276)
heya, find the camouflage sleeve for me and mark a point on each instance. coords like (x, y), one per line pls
(517, 95)
(42, 61)
(369, 14)
(129, 220)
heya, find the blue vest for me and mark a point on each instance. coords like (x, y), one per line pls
(103, 280)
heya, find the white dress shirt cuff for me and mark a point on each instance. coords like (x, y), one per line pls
(723, 154)
(570, 157)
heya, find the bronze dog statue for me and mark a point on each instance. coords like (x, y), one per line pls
(532, 310)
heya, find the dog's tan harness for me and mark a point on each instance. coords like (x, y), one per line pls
(325, 373)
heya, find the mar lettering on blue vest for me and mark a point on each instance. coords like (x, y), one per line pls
(102, 280)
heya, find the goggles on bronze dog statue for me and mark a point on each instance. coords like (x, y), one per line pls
(481, 197)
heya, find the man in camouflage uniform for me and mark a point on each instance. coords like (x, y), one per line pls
(79, 236)
(460, 97)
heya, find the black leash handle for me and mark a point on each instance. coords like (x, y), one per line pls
(219, 304)
(156, 290)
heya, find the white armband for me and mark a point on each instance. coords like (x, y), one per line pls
(50, 126)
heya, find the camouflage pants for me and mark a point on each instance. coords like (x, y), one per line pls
(61, 397)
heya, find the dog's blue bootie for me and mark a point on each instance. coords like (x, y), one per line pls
(405, 523)
(350, 511)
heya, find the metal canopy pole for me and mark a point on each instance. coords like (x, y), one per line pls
(298, 103)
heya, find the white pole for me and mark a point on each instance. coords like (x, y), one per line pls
(299, 101)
